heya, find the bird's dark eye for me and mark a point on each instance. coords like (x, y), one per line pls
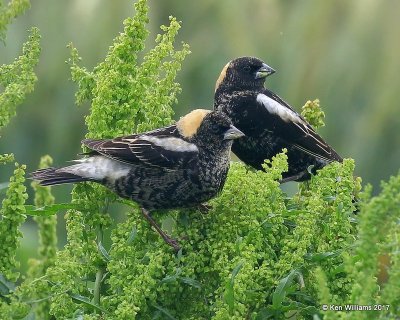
(246, 68)
(215, 128)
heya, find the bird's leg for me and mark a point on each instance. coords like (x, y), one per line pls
(204, 208)
(172, 242)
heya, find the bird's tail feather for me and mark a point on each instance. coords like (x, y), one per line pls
(52, 176)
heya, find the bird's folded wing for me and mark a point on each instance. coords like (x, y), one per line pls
(162, 151)
(294, 128)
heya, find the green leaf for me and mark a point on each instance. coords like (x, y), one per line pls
(310, 310)
(236, 270)
(132, 235)
(329, 198)
(321, 256)
(6, 286)
(172, 278)
(165, 312)
(30, 315)
(103, 251)
(78, 315)
(191, 282)
(338, 269)
(353, 220)
(282, 289)
(266, 313)
(289, 223)
(86, 301)
(49, 210)
(229, 297)
(179, 255)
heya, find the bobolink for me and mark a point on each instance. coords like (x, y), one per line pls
(268, 122)
(182, 165)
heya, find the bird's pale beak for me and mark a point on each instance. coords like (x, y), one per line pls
(264, 71)
(233, 133)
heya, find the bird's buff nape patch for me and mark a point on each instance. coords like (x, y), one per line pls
(222, 76)
(189, 124)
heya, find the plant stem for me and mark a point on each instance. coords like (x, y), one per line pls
(97, 285)
(100, 271)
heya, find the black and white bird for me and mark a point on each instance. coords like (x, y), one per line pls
(268, 122)
(182, 165)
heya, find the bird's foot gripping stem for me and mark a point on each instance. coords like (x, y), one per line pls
(204, 208)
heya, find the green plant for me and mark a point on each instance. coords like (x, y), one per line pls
(17, 79)
(257, 254)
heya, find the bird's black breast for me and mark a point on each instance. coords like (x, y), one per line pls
(244, 111)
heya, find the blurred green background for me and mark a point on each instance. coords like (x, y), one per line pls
(346, 53)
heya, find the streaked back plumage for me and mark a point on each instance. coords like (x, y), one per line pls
(176, 166)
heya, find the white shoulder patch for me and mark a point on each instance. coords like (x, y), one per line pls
(171, 143)
(276, 108)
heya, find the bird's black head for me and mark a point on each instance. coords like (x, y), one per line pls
(243, 73)
(208, 128)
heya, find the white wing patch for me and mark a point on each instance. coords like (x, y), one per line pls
(98, 168)
(289, 116)
(171, 143)
(276, 108)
